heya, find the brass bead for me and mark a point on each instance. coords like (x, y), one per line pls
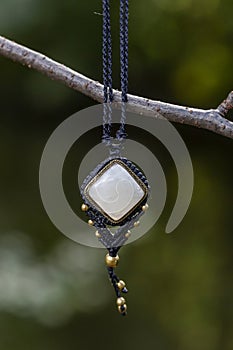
(128, 233)
(120, 301)
(122, 309)
(84, 207)
(111, 261)
(136, 224)
(98, 235)
(145, 207)
(121, 284)
(90, 222)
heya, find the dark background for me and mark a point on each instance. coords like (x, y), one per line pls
(54, 294)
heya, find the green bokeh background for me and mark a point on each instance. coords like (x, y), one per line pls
(54, 294)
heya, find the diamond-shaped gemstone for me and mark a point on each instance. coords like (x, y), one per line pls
(115, 191)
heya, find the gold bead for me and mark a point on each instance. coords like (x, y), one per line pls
(84, 207)
(136, 224)
(98, 235)
(145, 207)
(111, 261)
(121, 284)
(90, 222)
(122, 309)
(120, 301)
(128, 233)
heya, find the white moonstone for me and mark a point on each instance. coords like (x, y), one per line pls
(116, 192)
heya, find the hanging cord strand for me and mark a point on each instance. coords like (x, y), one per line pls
(107, 53)
(124, 19)
(109, 50)
(107, 71)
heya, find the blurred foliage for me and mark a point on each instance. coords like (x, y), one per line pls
(54, 293)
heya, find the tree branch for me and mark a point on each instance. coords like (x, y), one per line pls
(212, 119)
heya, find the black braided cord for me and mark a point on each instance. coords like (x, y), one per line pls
(124, 17)
(107, 53)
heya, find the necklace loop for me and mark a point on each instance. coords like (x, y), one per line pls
(107, 68)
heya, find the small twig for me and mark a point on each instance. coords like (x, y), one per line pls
(212, 119)
(226, 105)
(98, 13)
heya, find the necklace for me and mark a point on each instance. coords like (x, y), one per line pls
(115, 193)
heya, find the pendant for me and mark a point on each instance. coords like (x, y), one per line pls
(115, 195)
